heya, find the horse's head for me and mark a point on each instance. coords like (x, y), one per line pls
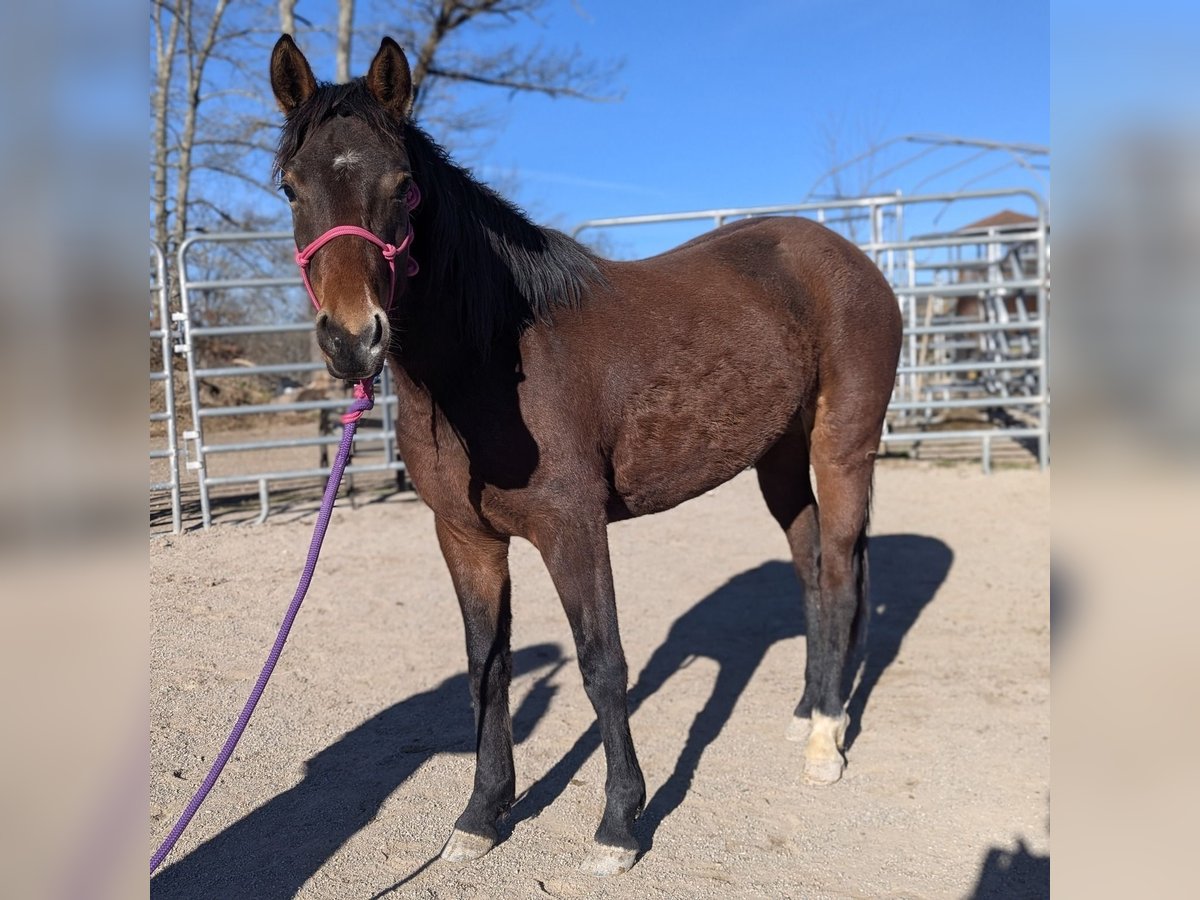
(342, 162)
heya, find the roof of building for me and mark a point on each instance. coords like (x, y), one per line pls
(1005, 220)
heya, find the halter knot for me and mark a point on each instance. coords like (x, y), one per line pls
(364, 399)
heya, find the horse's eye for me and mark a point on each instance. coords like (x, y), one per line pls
(288, 192)
(402, 190)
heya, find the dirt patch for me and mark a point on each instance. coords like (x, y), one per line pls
(358, 759)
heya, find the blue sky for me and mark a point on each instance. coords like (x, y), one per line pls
(729, 104)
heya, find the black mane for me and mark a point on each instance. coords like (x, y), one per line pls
(480, 255)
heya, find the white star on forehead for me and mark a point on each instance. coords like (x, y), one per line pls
(348, 159)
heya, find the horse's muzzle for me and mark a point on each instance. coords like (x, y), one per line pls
(352, 356)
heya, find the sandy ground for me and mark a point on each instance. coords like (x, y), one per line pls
(358, 759)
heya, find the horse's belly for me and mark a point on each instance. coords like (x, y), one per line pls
(678, 441)
(659, 484)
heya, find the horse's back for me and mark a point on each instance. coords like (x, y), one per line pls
(815, 270)
(768, 293)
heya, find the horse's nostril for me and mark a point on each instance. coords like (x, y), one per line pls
(378, 335)
(322, 321)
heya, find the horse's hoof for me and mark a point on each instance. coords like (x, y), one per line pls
(464, 846)
(823, 771)
(823, 762)
(605, 860)
(799, 729)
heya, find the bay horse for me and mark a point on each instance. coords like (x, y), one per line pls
(545, 392)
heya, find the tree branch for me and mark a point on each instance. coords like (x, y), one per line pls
(517, 84)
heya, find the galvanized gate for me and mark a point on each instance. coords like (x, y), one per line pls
(205, 447)
(973, 363)
(162, 332)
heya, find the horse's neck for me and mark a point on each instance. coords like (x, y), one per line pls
(438, 363)
(489, 269)
(442, 404)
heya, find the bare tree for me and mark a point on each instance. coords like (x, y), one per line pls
(345, 34)
(213, 124)
(166, 43)
(851, 174)
(441, 56)
(207, 117)
(287, 16)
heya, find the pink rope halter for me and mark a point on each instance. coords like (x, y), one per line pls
(364, 390)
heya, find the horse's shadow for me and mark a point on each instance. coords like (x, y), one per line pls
(735, 626)
(270, 853)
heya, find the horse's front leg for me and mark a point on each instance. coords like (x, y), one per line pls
(478, 565)
(578, 561)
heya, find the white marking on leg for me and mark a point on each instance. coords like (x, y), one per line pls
(823, 762)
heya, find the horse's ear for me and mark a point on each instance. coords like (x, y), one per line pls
(389, 79)
(291, 77)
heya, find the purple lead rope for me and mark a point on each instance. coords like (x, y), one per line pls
(363, 400)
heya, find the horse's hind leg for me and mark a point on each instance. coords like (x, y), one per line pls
(478, 566)
(843, 453)
(784, 480)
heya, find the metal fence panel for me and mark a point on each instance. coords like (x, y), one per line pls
(974, 306)
(162, 330)
(204, 446)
